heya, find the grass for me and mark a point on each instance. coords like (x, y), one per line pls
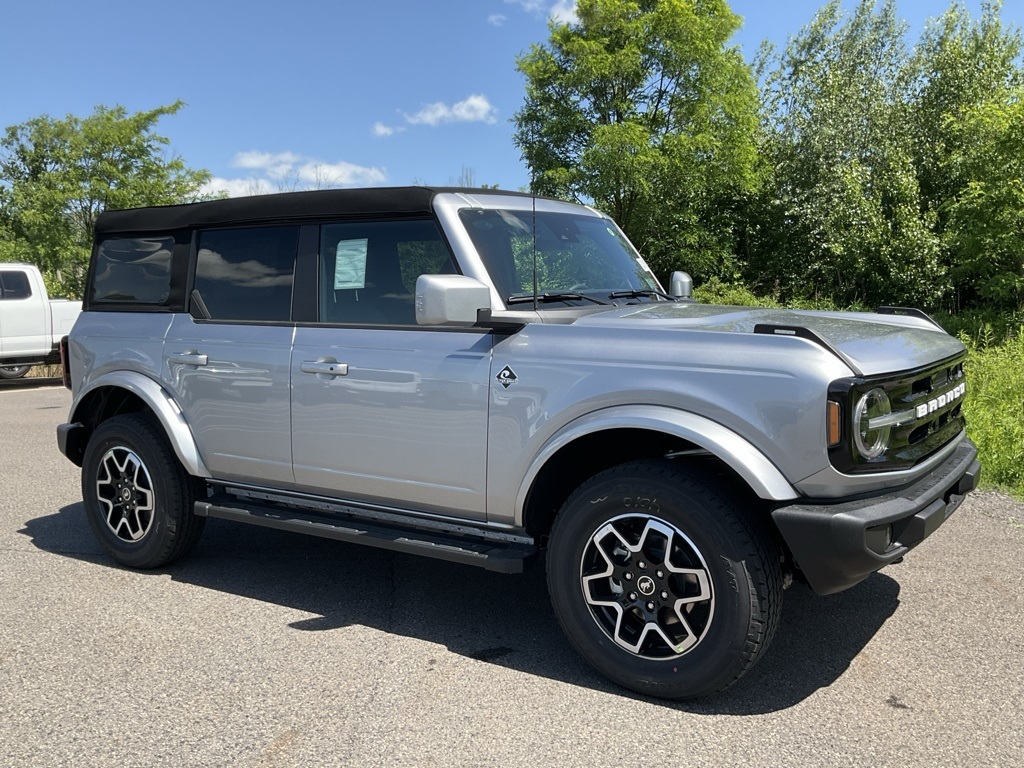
(995, 409)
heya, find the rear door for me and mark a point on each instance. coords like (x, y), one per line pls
(384, 410)
(227, 361)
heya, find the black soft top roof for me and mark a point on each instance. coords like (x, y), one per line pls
(288, 206)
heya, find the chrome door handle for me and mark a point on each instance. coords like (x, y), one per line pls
(319, 367)
(187, 358)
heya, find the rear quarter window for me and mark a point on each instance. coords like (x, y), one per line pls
(132, 270)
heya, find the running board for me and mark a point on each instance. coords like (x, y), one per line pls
(492, 556)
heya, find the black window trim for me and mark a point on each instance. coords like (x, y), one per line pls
(28, 284)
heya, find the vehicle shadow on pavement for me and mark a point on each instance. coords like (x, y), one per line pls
(494, 618)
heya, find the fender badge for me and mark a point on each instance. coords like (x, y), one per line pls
(507, 377)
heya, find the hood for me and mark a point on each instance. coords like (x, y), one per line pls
(872, 344)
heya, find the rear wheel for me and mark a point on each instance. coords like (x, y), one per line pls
(13, 371)
(661, 582)
(138, 496)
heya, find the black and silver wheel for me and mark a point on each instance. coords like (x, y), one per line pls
(13, 371)
(138, 497)
(661, 582)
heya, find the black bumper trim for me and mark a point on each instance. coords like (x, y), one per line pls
(71, 440)
(830, 542)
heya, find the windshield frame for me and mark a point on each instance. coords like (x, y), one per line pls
(521, 227)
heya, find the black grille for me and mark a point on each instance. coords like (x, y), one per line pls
(912, 442)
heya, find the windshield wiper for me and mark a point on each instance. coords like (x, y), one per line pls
(522, 298)
(637, 294)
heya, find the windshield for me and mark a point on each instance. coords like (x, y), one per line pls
(575, 254)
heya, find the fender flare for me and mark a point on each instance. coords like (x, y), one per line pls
(163, 405)
(756, 469)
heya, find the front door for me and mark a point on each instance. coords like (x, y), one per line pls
(384, 410)
(392, 415)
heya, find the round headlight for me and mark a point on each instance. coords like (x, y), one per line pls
(871, 442)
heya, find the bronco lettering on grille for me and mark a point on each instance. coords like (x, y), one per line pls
(941, 401)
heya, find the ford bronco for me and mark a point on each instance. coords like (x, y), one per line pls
(485, 377)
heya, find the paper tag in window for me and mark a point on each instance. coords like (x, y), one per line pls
(350, 264)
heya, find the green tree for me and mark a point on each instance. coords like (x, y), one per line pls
(57, 176)
(642, 109)
(841, 214)
(963, 93)
(985, 226)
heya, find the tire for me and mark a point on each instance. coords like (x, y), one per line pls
(138, 496)
(661, 582)
(14, 371)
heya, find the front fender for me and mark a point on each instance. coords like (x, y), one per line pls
(763, 477)
(161, 403)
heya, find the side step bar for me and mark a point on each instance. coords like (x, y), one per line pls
(490, 555)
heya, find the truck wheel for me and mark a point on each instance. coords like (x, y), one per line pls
(660, 581)
(138, 496)
(13, 371)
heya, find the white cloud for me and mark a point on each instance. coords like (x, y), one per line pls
(288, 171)
(473, 109)
(379, 129)
(530, 6)
(496, 19)
(274, 165)
(236, 187)
(564, 12)
(342, 174)
(560, 11)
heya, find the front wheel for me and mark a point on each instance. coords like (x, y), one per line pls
(13, 371)
(661, 582)
(138, 496)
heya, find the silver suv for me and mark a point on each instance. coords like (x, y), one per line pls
(479, 376)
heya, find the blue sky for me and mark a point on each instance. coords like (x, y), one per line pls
(351, 93)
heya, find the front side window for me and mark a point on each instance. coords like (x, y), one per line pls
(14, 285)
(368, 270)
(245, 274)
(133, 270)
(574, 252)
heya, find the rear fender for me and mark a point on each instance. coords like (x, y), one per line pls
(163, 406)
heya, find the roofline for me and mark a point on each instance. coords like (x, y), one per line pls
(284, 207)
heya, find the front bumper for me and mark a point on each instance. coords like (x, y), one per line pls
(836, 545)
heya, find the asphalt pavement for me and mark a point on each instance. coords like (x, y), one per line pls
(271, 649)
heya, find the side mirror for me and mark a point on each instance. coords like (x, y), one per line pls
(681, 285)
(450, 299)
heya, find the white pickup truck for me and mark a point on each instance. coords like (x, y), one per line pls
(31, 323)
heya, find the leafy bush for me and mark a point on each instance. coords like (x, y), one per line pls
(994, 404)
(715, 291)
(983, 327)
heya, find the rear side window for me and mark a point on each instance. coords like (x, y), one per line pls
(133, 270)
(246, 274)
(14, 285)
